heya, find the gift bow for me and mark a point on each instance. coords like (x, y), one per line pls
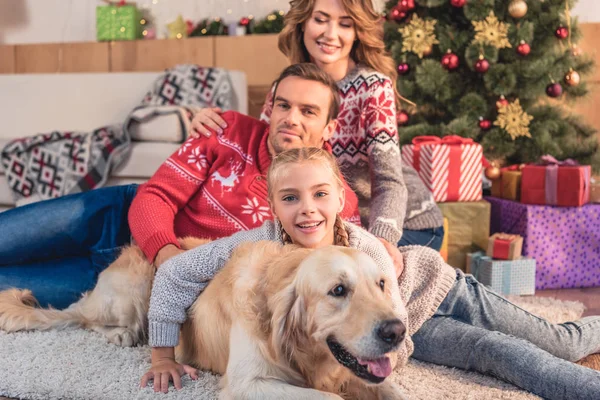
(550, 160)
(119, 3)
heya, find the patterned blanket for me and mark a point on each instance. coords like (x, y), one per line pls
(54, 164)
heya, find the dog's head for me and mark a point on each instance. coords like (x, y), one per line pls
(339, 305)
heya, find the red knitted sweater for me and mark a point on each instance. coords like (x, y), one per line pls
(210, 188)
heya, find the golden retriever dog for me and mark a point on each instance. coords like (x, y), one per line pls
(278, 322)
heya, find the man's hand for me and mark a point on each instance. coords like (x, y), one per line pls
(207, 118)
(165, 253)
(396, 256)
(165, 368)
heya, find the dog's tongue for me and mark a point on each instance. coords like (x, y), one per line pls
(381, 367)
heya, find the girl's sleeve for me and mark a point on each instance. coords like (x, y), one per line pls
(181, 279)
(388, 189)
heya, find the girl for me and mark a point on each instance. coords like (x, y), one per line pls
(345, 39)
(453, 319)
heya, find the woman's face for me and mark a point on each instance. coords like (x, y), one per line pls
(306, 200)
(329, 34)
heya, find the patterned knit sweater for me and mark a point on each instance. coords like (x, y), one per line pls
(366, 145)
(424, 284)
(191, 193)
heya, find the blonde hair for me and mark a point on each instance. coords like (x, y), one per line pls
(369, 49)
(308, 154)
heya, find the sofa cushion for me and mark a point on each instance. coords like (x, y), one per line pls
(145, 158)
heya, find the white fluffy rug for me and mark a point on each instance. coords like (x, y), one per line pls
(77, 364)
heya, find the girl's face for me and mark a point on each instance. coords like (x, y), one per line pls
(306, 199)
(329, 34)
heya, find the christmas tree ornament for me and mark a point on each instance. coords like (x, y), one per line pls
(554, 90)
(428, 51)
(485, 124)
(177, 29)
(403, 68)
(572, 78)
(450, 61)
(561, 32)
(482, 65)
(517, 8)
(418, 35)
(514, 120)
(502, 102)
(402, 118)
(493, 172)
(397, 14)
(458, 3)
(576, 50)
(406, 5)
(491, 31)
(523, 48)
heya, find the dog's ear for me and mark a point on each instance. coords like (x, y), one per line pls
(288, 323)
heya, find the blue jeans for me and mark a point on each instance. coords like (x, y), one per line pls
(478, 330)
(57, 248)
(425, 237)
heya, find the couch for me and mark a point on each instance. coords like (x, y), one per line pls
(40, 103)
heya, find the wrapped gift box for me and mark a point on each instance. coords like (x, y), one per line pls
(504, 246)
(595, 193)
(508, 186)
(118, 22)
(450, 167)
(561, 185)
(515, 277)
(564, 241)
(468, 229)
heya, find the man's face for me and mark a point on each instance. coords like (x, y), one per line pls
(299, 116)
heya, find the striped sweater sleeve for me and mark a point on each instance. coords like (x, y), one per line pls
(181, 279)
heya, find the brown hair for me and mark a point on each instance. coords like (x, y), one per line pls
(311, 72)
(308, 154)
(369, 49)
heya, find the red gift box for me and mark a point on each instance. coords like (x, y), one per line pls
(556, 183)
(504, 246)
(450, 166)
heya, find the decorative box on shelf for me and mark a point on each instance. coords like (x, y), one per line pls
(118, 22)
(506, 277)
(564, 241)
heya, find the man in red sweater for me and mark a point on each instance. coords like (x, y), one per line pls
(214, 187)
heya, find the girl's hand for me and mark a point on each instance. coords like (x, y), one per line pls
(207, 118)
(165, 370)
(395, 255)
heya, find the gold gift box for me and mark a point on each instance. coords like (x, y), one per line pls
(508, 186)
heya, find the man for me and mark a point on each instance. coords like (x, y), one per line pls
(208, 188)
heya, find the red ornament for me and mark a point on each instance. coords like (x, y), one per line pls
(554, 90)
(450, 61)
(406, 5)
(523, 48)
(502, 102)
(482, 65)
(561, 32)
(485, 124)
(403, 68)
(458, 3)
(397, 14)
(244, 21)
(402, 118)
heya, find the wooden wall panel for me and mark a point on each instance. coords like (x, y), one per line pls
(256, 98)
(37, 58)
(589, 44)
(7, 59)
(257, 55)
(84, 57)
(156, 55)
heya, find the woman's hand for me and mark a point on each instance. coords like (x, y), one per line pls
(207, 118)
(165, 369)
(396, 256)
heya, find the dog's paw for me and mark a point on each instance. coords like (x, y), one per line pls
(121, 337)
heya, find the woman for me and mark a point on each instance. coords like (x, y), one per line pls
(344, 38)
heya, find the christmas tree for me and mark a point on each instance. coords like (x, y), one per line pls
(489, 70)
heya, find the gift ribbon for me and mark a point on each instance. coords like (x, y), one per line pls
(118, 4)
(455, 142)
(551, 183)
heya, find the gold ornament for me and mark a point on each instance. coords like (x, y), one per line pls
(572, 78)
(514, 120)
(177, 29)
(492, 172)
(517, 8)
(491, 31)
(418, 36)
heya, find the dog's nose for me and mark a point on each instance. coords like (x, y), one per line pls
(391, 331)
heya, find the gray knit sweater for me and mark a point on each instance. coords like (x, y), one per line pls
(179, 281)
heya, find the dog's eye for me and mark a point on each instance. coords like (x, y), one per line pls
(338, 291)
(382, 285)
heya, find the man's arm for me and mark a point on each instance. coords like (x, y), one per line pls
(157, 202)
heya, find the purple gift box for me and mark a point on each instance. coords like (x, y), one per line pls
(564, 241)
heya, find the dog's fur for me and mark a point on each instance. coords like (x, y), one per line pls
(268, 322)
